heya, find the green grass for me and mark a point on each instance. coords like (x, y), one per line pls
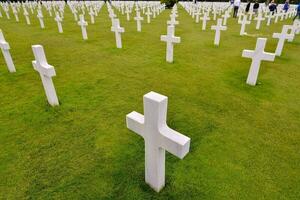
(245, 141)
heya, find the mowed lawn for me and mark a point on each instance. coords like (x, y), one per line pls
(245, 141)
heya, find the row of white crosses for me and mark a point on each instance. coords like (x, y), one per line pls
(259, 54)
(170, 38)
(40, 64)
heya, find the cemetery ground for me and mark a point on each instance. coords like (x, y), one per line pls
(245, 141)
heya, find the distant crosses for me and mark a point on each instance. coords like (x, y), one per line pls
(118, 30)
(138, 20)
(6, 54)
(83, 24)
(259, 19)
(46, 72)
(158, 138)
(40, 17)
(26, 14)
(218, 28)
(243, 23)
(204, 19)
(257, 56)
(170, 39)
(58, 21)
(281, 39)
(148, 13)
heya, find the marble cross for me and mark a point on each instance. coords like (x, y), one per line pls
(257, 56)
(148, 13)
(259, 19)
(158, 137)
(40, 16)
(170, 39)
(138, 20)
(58, 21)
(118, 30)
(6, 54)
(243, 23)
(16, 14)
(218, 28)
(204, 19)
(281, 39)
(46, 72)
(172, 21)
(83, 24)
(26, 14)
(92, 14)
(225, 16)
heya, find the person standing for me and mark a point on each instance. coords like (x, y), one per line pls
(256, 7)
(248, 6)
(273, 7)
(236, 6)
(298, 12)
(286, 6)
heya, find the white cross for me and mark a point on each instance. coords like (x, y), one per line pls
(138, 20)
(127, 11)
(270, 16)
(16, 14)
(259, 19)
(148, 13)
(225, 16)
(218, 28)
(83, 24)
(243, 24)
(170, 39)
(204, 19)
(26, 14)
(158, 137)
(6, 54)
(118, 30)
(173, 21)
(197, 14)
(91, 13)
(281, 39)
(58, 20)
(257, 56)
(46, 72)
(40, 16)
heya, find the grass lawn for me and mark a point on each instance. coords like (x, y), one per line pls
(245, 141)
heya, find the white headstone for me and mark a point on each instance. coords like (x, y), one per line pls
(58, 21)
(281, 39)
(40, 16)
(6, 54)
(118, 30)
(257, 56)
(204, 19)
(158, 137)
(46, 72)
(218, 28)
(138, 20)
(83, 24)
(170, 39)
(243, 23)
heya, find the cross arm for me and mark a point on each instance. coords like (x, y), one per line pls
(174, 142)
(247, 54)
(135, 122)
(4, 45)
(269, 56)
